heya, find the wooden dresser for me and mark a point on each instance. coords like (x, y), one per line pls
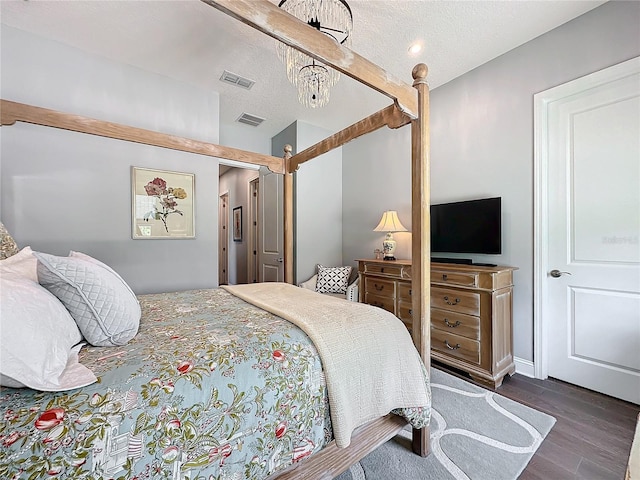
(387, 284)
(471, 312)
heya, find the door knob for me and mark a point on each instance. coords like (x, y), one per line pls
(558, 273)
(280, 260)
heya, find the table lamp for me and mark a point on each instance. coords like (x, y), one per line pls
(389, 223)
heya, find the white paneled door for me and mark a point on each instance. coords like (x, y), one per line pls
(271, 224)
(590, 215)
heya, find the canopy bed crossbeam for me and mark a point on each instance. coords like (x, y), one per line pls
(390, 116)
(275, 22)
(12, 112)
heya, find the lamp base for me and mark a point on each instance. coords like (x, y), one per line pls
(389, 247)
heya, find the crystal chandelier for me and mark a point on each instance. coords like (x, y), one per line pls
(312, 78)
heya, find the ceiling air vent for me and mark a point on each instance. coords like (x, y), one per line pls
(236, 80)
(249, 119)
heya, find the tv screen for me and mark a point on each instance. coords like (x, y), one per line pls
(472, 226)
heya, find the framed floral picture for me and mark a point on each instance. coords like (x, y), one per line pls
(162, 204)
(237, 224)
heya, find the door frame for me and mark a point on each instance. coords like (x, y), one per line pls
(253, 266)
(223, 236)
(541, 265)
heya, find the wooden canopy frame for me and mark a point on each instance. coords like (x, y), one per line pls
(410, 106)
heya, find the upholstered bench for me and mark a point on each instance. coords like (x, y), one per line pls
(340, 282)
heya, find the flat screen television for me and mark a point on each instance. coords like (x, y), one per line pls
(472, 226)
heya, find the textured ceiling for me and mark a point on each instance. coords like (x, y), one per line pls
(192, 42)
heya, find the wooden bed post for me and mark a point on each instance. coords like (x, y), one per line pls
(288, 216)
(421, 238)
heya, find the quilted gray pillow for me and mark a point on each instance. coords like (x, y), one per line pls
(104, 307)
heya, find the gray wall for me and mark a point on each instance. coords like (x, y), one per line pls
(318, 206)
(317, 201)
(482, 144)
(245, 137)
(64, 191)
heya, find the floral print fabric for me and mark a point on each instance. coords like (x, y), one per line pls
(210, 388)
(8, 246)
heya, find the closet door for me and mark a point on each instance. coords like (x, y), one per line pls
(593, 254)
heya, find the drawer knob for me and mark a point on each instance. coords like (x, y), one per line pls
(409, 292)
(457, 346)
(382, 270)
(410, 311)
(446, 299)
(444, 277)
(451, 325)
(378, 287)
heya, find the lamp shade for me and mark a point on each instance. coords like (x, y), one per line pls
(390, 223)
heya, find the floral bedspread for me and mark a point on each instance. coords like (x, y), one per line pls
(210, 388)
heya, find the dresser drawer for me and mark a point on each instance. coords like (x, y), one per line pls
(392, 270)
(455, 300)
(454, 278)
(455, 346)
(388, 303)
(404, 312)
(404, 292)
(380, 287)
(457, 323)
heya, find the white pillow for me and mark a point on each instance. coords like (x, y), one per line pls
(22, 264)
(99, 300)
(38, 337)
(333, 279)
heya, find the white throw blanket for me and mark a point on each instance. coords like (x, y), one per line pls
(370, 363)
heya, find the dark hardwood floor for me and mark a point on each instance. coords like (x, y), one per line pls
(591, 438)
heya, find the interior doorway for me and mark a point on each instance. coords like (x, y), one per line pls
(241, 185)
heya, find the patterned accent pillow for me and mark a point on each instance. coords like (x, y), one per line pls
(8, 246)
(333, 279)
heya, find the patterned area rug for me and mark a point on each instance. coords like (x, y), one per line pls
(476, 434)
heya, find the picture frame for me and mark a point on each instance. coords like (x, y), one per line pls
(162, 204)
(237, 224)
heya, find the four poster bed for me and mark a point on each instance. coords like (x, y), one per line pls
(260, 311)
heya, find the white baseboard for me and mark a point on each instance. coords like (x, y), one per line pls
(525, 367)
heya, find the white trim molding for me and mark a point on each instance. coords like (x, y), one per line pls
(524, 367)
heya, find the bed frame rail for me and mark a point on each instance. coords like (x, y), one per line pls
(331, 461)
